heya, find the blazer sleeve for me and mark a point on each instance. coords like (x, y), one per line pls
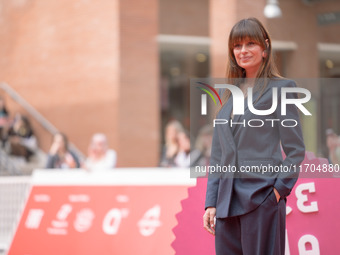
(213, 178)
(50, 161)
(292, 144)
(215, 159)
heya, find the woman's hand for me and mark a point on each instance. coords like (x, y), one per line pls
(55, 147)
(208, 220)
(277, 194)
(70, 161)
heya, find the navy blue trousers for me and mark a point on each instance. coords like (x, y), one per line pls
(259, 232)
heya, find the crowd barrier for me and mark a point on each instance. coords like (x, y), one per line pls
(144, 211)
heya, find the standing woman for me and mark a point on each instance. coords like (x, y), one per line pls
(60, 156)
(250, 208)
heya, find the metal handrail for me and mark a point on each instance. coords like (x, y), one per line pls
(35, 114)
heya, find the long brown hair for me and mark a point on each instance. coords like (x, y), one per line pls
(251, 29)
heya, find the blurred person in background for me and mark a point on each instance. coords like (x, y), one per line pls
(60, 156)
(182, 158)
(200, 156)
(333, 144)
(3, 118)
(20, 139)
(100, 157)
(171, 147)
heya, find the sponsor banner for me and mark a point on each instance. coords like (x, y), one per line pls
(119, 212)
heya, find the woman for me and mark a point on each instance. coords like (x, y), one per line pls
(170, 150)
(182, 158)
(100, 156)
(21, 139)
(250, 206)
(3, 118)
(59, 155)
(200, 156)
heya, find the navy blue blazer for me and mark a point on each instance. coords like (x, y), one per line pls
(237, 193)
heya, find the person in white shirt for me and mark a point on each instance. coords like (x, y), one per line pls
(100, 157)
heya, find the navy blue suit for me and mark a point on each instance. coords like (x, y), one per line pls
(238, 194)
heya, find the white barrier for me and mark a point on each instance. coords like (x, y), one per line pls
(13, 194)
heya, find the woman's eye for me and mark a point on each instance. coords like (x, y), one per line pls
(237, 46)
(251, 43)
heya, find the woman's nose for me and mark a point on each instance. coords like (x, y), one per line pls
(243, 48)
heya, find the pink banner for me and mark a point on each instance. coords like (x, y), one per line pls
(313, 215)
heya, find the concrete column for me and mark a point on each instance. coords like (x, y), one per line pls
(139, 107)
(222, 16)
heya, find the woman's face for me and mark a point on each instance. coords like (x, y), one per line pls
(184, 142)
(248, 54)
(58, 139)
(171, 134)
(99, 147)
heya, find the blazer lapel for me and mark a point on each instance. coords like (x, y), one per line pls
(254, 98)
(225, 113)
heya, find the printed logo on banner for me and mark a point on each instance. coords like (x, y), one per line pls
(113, 219)
(150, 221)
(111, 223)
(60, 224)
(34, 218)
(84, 219)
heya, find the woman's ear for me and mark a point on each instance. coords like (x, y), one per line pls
(265, 52)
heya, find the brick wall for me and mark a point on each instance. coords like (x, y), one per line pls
(65, 57)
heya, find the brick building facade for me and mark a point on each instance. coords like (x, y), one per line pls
(98, 66)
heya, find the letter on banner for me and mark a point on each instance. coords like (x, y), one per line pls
(301, 198)
(314, 243)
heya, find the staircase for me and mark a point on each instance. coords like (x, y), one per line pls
(12, 165)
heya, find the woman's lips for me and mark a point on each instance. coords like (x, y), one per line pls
(245, 58)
